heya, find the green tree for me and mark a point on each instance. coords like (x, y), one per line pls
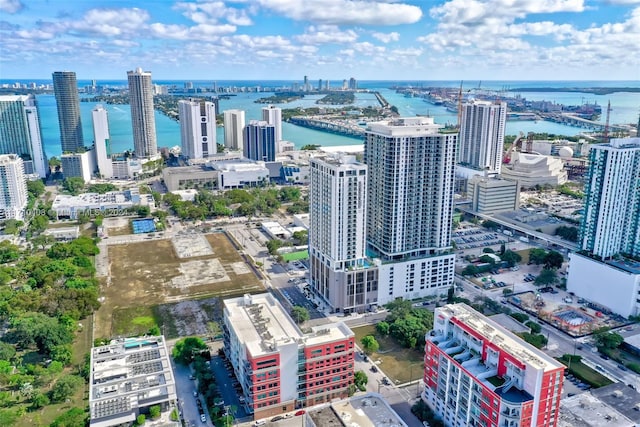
(73, 185)
(360, 380)
(567, 233)
(274, 245)
(38, 223)
(470, 270)
(43, 240)
(35, 188)
(606, 339)
(101, 188)
(54, 162)
(546, 277)
(488, 251)
(553, 260)
(487, 259)
(154, 412)
(185, 349)
(369, 344)
(491, 225)
(39, 400)
(74, 417)
(383, 327)
(511, 257)
(7, 351)
(310, 147)
(12, 226)
(65, 387)
(534, 326)
(143, 211)
(301, 237)
(520, 317)
(537, 255)
(141, 419)
(299, 314)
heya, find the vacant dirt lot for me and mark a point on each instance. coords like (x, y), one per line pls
(149, 284)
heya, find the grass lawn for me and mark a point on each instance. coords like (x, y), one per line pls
(295, 256)
(586, 374)
(400, 364)
(525, 256)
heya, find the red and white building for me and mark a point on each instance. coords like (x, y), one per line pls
(477, 373)
(279, 367)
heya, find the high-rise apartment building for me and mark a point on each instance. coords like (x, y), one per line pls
(20, 132)
(410, 189)
(340, 272)
(142, 114)
(78, 165)
(353, 83)
(273, 116)
(197, 128)
(611, 220)
(65, 88)
(479, 374)
(279, 367)
(482, 135)
(101, 141)
(259, 139)
(233, 128)
(13, 187)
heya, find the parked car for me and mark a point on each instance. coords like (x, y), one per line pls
(300, 412)
(277, 418)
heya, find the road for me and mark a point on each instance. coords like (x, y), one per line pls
(560, 343)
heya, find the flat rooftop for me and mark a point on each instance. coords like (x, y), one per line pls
(501, 337)
(179, 170)
(127, 374)
(261, 323)
(370, 410)
(626, 264)
(87, 199)
(587, 410)
(404, 126)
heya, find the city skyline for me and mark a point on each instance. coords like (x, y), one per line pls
(371, 40)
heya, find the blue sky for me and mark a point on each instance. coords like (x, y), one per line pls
(328, 39)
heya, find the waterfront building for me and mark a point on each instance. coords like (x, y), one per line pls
(197, 128)
(80, 165)
(142, 113)
(477, 373)
(482, 135)
(353, 84)
(20, 132)
(233, 127)
(279, 367)
(259, 141)
(65, 88)
(187, 177)
(13, 187)
(127, 377)
(101, 142)
(611, 221)
(345, 84)
(273, 116)
(339, 270)
(490, 195)
(305, 87)
(319, 85)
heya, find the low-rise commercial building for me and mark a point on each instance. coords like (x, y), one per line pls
(477, 373)
(615, 405)
(186, 177)
(128, 377)
(112, 203)
(279, 367)
(240, 174)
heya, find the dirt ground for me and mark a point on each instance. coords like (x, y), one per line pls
(142, 288)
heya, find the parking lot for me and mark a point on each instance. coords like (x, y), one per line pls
(229, 386)
(476, 237)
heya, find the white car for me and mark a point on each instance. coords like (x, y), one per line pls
(203, 418)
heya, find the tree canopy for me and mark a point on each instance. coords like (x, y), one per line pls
(369, 344)
(299, 314)
(187, 348)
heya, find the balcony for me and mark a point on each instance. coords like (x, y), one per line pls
(496, 381)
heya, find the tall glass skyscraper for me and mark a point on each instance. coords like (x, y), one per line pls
(260, 141)
(482, 129)
(20, 132)
(142, 115)
(65, 88)
(611, 221)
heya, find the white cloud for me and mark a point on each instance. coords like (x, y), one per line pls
(323, 34)
(481, 11)
(210, 12)
(622, 2)
(202, 32)
(367, 48)
(386, 37)
(345, 12)
(11, 6)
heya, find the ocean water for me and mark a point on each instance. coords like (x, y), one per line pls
(625, 109)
